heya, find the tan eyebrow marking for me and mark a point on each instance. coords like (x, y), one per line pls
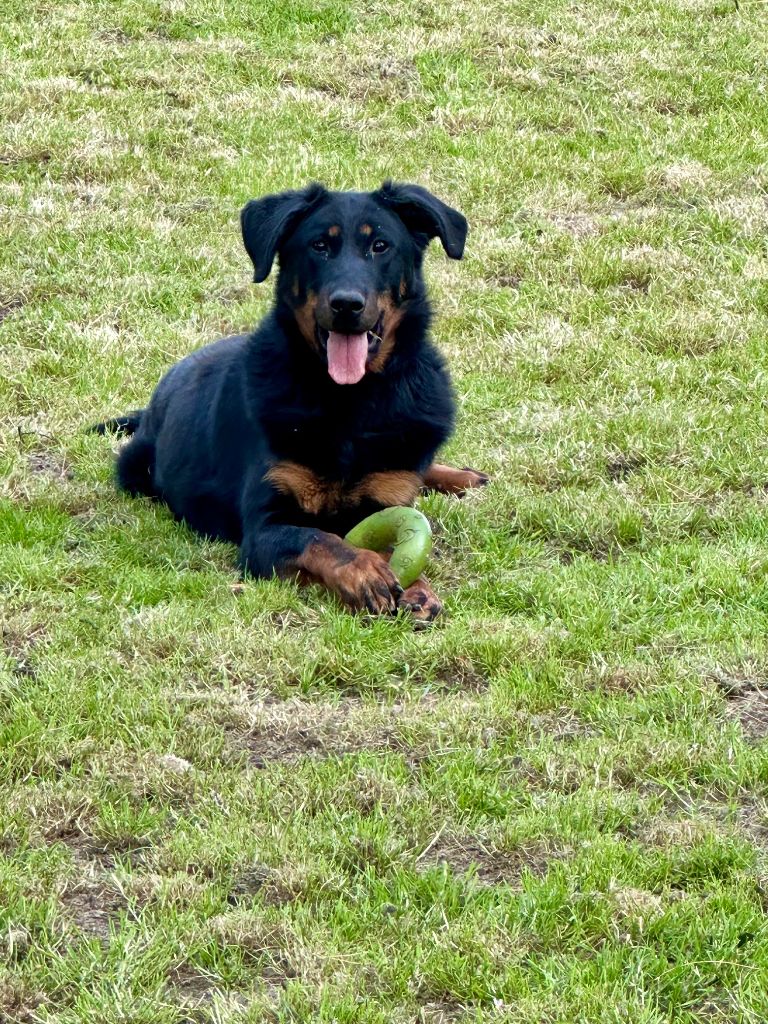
(366, 229)
(334, 231)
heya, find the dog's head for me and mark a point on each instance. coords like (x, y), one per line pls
(350, 264)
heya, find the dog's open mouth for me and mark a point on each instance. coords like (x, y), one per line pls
(348, 354)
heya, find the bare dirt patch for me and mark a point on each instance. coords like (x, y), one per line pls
(752, 821)
(675, 107)
(637, 281)
(692, 819)
(746, 695)
(87, 852)
(93, 908)
(622, 466)
(18, 1005)
(248, 882)
(738, 682)
(289, 731)
(41, 157)
(750, 710)
(193, 989)
(47, 463)
(190, 986)
(467, 854)
(627, 679)
(18, 643)
(457, 673)
(505, 279)
(115, 35)
(10, 305)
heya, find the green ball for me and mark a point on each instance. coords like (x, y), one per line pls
(403, 529)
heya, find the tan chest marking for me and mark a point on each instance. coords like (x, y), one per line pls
(314, 494)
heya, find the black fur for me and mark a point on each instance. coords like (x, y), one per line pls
(222, 417)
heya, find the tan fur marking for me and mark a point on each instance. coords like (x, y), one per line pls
(319, 560)
(313, 494)
(391, 317)
(295, 288)
(361, 578)
(305, 318)
(403, 288)
(366, 229)
(334, 231)
(448, 480)
(396, 487)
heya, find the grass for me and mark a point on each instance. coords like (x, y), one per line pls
(223, 804)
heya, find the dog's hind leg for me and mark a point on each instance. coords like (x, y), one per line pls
(136, 467)
(448, 480)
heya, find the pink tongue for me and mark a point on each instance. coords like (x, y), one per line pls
(346, 357)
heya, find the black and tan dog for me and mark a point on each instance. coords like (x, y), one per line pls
(333, 408)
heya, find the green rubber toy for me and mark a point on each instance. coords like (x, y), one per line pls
(403, 529)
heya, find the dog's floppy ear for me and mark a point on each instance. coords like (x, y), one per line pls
(265, 223)
(426, 215)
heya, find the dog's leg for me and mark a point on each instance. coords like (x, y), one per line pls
(135, 467)
(420, 601)
(448, 480)
(362, 579)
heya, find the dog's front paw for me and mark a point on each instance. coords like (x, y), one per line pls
(366, 583)
(420, 601)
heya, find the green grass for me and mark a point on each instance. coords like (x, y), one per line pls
(242, 805)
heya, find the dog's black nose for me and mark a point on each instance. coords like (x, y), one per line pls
(347, 302)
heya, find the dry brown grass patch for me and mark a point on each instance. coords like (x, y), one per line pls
(289, 731)
(579, 225)
(440, 1013)
(628, 679)
(273, 945)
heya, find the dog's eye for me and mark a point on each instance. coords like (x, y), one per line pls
(320, 245)
(379, 245)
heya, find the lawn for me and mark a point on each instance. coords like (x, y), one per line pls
(228, 804)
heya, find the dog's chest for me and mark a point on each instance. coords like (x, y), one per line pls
(341, 451)
(318, 495)
(328, 470)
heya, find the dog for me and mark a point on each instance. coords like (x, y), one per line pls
(333, 408)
